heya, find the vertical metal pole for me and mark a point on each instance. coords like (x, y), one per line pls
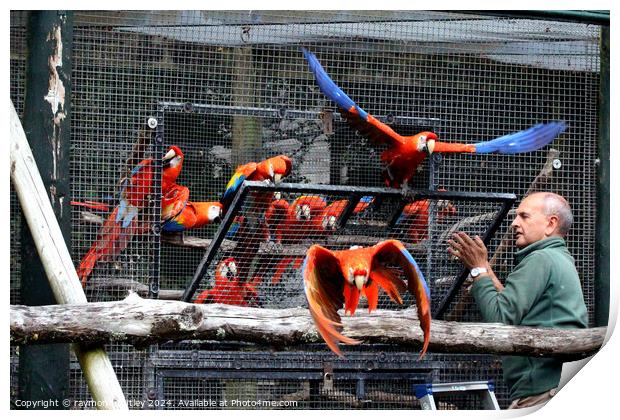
(44, 369)
(601, 280)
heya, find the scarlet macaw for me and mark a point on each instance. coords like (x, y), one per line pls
(172, 163)
(405, 153)
(123, 223)
(332, 213)
(336, 278)
(303, 219)
(228, 289)
(272, 169)
(415, 217)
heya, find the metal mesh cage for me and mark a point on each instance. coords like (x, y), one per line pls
(232, 86)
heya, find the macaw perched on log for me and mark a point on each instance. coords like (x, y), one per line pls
(415, 217)
(123, 223)
(303, 219)
(405, 153)
(336, 278)
(228, 288)
(271, 170)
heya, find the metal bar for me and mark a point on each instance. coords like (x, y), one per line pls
(284, 374)
(499, 217)
(157, 140)
(228, 110)
(43, 369)
(348, 210)
(389, 192)
(602, 252)
(595, 17)
(220, 234)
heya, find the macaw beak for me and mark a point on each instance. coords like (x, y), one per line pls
(359, 282)
(277, 178)
(430, 146)
(168, 156)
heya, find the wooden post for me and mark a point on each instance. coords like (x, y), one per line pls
(247, 130)
(57, 262)
(44, 371)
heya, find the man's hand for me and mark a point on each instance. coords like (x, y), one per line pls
(471, 252)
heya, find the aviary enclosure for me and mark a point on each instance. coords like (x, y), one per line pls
(229, 87)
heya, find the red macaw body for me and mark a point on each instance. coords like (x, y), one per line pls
(416, 217)
(336, 278)
(124, 221)
(405, 153)
(303, 219)
(274, 217)
(272, 169)
(228, 289)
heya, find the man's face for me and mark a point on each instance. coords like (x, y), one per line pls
(531, 224)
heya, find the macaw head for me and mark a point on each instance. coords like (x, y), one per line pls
(331, 214)
(425, 141)
(357, 270)
(227, 269)
(302, 212)
(275, 168)
(306, 205)
(173, 158)
(214, 212)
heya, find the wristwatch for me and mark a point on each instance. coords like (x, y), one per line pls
(476, 271)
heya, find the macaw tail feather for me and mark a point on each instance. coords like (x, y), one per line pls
(523, 141)
(87, 264)
(329, 88)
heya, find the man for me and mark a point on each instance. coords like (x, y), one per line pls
(542, 291)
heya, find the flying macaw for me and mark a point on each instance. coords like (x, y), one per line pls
(123, 223)
(332, 213)
(303, 219)
(336, 278)
(228, 288)
(405, 153)
(415, 218)
(272, 169)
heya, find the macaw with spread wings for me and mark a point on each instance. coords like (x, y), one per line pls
(333, 279)
(405, 153)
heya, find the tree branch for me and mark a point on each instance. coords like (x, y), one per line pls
(143, 321)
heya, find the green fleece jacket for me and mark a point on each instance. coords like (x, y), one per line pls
(543, 291)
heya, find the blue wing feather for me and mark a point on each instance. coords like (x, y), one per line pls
(417, 268)
(231, 189)
(523, 141)
(329, 88)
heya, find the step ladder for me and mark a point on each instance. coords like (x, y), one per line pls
(485, 390)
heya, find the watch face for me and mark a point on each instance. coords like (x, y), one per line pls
(475, 272)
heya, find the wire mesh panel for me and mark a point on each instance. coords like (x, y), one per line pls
(230, 87)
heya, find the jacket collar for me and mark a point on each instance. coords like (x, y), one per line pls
(552, 242)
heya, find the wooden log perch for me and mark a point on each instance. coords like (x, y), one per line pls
(144, 321)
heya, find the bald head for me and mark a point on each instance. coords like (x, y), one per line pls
(556, 205)
(541, 215)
